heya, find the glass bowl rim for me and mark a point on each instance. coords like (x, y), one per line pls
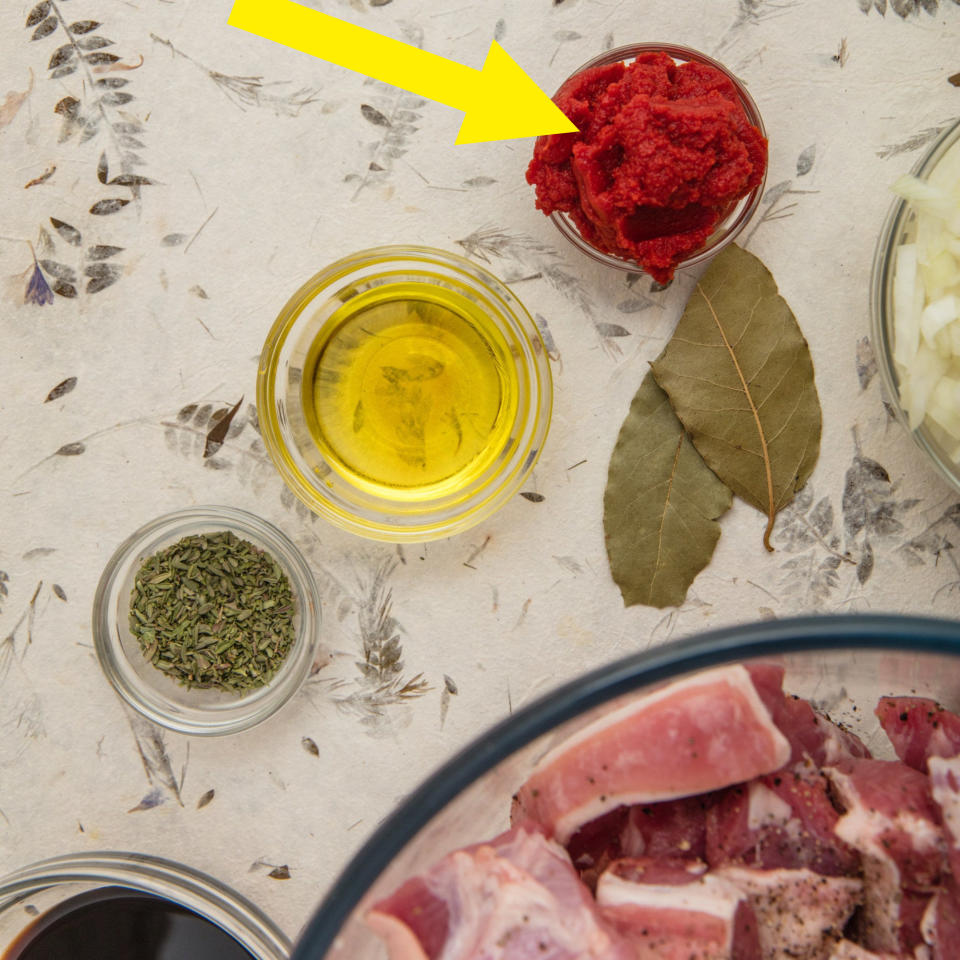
(156, 875)
(678, 52)
(880, 632)
(881, 319)
(264, 701)
(508, 479)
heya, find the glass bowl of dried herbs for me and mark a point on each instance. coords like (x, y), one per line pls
(206, 620)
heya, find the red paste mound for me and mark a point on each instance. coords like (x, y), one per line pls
(662, 153)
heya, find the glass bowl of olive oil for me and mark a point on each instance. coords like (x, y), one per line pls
(404, 393)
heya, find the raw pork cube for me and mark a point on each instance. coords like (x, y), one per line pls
(677, 828)
(800, 913)
(670, 830)
(780, 820)
(919, 729)
(892, 821)
(673, 910)
(515, 898)
(691, 737)
(815, 741)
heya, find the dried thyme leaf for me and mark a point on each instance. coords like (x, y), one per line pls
(660, 506)
(739, 374)
(213, 611)
(61, 389)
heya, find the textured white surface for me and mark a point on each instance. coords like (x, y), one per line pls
(282, 190)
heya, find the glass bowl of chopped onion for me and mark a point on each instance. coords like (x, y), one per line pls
(206, 620)
(915, 302)
(743, 781)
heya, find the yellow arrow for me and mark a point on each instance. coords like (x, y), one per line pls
(500, 101)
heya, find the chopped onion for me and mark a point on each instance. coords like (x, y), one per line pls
(926, 302)
(935, 317)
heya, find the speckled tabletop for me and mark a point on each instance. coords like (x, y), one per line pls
(263, 166)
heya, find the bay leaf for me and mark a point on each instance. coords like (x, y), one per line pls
(660, 506)
(739, 374)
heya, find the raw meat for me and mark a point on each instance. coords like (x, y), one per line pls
(945, 789)
(800, 913)
(890, 815)
(598, 843)
(892, 820)
(672, 910)
(717, 818)
(691, 737)
(780, 820)
(515, 898)
(918, 729)
(814, 740)
(845, 950)
(940, 925)
(675, 829)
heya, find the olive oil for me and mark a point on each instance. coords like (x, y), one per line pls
(410, 390)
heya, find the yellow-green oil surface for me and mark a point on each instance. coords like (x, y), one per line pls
(410, 390)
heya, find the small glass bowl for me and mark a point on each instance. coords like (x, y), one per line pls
(35, 890)
(736, 217)
(900, 227)
(200, 712)
(316, 478)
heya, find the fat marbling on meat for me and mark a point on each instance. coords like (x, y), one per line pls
(674, 910)
(699, 734)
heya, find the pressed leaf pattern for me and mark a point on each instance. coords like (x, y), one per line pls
(38, 290)
(903, 8)
(538, 259)
(69, 233)
(251, 91)
(740, 377)
(38, 13)
(661, 504)
(95, 109)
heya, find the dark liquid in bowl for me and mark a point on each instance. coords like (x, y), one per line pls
(118, 924)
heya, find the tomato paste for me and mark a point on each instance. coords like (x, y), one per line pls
(664, 151)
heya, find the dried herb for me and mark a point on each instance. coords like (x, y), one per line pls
(61, 389)
(739, 375)
(213, 610)
(660, 506)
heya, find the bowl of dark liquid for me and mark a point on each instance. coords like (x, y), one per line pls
(122, 906)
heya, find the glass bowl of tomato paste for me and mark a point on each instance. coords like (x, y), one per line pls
(814, 681)
(669, 163)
